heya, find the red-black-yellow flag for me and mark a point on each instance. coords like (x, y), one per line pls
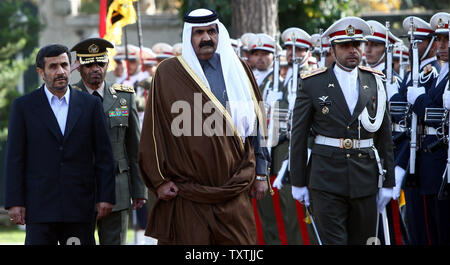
(120, 14)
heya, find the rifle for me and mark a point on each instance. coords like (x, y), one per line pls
(272, 109)
(444, 190)
(415, 84)
(388, 50)
(322, 52)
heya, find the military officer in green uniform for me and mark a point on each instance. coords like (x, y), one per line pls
(350, 172)
(121, 114)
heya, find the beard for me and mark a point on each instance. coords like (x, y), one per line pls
(94, 78)
(58, 83)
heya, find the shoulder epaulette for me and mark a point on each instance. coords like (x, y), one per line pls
(315, 72)
(368, 69)
(77, 87)
(123, 88)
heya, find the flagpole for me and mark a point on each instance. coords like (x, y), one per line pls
(139, 30)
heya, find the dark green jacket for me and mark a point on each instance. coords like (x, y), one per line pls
(346, 172)
(122, 119)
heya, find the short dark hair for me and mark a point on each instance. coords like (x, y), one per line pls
(51, 50)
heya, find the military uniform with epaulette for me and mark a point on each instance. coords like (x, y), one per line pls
(425, 212)
(352, 158)
(120, 111)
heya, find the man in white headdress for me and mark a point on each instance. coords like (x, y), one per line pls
(200, 151)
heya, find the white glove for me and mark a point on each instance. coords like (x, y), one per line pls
(391, 89)
(413, 93)
(383, 198)
(399, 175)
(277, 182)
(301, 194)
(446, 99)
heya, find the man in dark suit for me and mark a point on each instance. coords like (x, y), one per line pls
(123, 123)
(345, 105)
(58, 158)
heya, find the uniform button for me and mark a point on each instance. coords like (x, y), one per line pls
(359, 155)
(60, 148)
(121, 125)
(347, 155)
(348, 128)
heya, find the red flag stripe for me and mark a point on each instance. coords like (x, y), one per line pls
(278, 214)
(396, 222)
(102, 18)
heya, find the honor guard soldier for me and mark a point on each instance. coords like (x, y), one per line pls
(345, 105)
(177, 48)
(245, 40)
(376, 54)
(122, 119)
(441, 216)
(120, 69)
(298, 41)
(325, 51)
(401, 59)
(277, 213)
(416, 167)
(133, 66)
(262, 48)
(162, 51)
(150, 62)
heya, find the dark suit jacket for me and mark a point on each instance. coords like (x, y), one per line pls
(58, 178)
(331, 170)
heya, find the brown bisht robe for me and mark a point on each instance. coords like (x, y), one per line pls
(214, 174)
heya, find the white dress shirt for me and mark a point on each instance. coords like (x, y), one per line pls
(100, 90)
(348, 81)
(443, 73)
(261, 75)
(60, 107)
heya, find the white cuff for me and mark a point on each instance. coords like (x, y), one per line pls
(414, 93)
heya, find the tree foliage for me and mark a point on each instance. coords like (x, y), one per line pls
(18, 28)
(309, 15)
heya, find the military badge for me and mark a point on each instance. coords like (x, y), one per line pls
(350, 30)
(330, 85)
(323, 102)
(123, 102)
(93, 48)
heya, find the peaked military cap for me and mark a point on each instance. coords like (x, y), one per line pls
(148, 56)
(439, 23)
(298, 36)
(92, 50)
(262, 42)
(245, 40)
(163, 50)
(315, 40)
(348, 29)
(379, 33)
(177, 48)
(400, 49)
(421, 30)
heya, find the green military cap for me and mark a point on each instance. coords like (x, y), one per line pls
(92, 50)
